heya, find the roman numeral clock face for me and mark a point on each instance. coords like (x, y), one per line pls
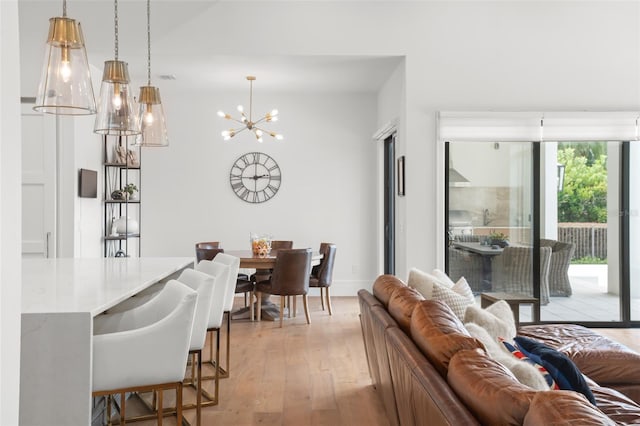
(255, 177)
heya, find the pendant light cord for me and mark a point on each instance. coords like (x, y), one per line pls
(148, 42)
(64, 8)
(250, 100)
(115, 26)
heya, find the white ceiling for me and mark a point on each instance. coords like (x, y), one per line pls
(197, 71)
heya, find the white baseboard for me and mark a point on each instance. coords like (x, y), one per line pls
(340, 288)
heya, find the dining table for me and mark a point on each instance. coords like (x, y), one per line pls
(263, 264)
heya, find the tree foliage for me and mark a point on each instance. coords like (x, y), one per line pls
(584, 195)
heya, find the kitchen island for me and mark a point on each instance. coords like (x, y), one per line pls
(60, 297)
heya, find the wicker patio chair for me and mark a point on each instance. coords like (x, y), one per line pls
(561, 254)
(511, 271)
(465, 264)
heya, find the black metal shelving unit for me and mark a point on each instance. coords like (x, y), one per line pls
(118, 172)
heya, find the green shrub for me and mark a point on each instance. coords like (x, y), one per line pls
(584, 195)
(589, 260)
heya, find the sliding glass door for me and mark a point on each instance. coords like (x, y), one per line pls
(580, 221)
(490, 216)
(556, 208)
(634, 230)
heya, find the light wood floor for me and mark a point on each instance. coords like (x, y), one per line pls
(630, 337)
(307, 374)
(299, 375)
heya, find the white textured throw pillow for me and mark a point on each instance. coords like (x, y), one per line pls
(457, 302)
(439, 286)
(443, 278)
(497, 319)
(421, 281)
(526, 373)
(462, 288)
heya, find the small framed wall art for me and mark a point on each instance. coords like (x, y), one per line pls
(88, 184)
(401, 189)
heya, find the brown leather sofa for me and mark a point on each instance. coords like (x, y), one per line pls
(429, 370)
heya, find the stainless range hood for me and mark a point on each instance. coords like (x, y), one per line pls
(456, 179)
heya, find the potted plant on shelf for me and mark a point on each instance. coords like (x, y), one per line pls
(132, 190)
(498, 239)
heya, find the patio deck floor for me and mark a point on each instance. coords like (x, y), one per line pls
(590, 300)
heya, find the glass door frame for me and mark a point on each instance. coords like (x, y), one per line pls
(625, 320)
(389, 230)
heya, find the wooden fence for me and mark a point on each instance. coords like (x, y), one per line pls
(590, 239)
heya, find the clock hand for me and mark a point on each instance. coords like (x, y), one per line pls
(256, 177)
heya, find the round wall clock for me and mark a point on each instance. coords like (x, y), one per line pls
(255, 177)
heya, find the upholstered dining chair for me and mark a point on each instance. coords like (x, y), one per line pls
(281, 244)
(290, 277)
(245, 285)
(215, 321)
(208, 244)
(276, 245)
(322, 274)
(207, 250)
(511, 271)
(149, 346)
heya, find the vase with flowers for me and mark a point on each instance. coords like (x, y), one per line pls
(131, 190)
(260, 244)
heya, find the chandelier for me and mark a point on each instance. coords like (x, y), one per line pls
(247, 123)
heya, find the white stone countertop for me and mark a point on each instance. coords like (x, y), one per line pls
(90, 285)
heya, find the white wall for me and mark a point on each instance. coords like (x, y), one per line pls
(328, 164)
(10, 218)
(391, 109)
(476, 55)
(459, 56)
(88, 213)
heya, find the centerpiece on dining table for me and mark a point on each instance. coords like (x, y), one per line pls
(261, 244)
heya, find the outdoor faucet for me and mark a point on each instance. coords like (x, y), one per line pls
(486, 217)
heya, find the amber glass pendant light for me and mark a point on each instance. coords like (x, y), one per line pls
(65, 82)
(151, 112)
(117, 114)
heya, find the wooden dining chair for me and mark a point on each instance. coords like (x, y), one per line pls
(290, 277)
